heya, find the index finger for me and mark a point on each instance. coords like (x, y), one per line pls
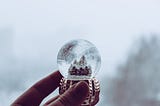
(34, 95)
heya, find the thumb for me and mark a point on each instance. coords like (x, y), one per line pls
(74, 96)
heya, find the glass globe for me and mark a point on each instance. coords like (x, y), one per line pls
(78, 60)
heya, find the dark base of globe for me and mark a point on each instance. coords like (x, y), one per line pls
(94, 89)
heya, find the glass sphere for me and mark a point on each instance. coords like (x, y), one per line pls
(78, 59)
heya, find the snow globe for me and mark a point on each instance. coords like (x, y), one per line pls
(79, 60)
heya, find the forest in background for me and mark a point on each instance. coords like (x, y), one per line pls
(137, 79)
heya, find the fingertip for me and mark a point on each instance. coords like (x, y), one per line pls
(56, 74)
(81, 89)
(73, 96)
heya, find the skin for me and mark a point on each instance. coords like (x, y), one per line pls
(74, 96)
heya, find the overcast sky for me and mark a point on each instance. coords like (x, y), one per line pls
(41, 27)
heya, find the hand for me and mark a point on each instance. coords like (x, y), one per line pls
(74, 96)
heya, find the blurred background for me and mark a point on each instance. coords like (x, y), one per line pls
(125, 32)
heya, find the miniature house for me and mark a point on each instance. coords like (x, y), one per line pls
(80, 68)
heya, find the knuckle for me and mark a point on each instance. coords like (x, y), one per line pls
(65, 101)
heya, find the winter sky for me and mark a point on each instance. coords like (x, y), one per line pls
(41, 27)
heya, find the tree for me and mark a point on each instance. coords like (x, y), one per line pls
(137, 82)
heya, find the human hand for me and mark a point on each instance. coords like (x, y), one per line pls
(74, 96)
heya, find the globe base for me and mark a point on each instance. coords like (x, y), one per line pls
(94, 89)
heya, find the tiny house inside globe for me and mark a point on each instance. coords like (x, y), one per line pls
(80, 68)
(78, 59)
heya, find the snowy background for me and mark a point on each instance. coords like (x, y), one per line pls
(125, 32)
